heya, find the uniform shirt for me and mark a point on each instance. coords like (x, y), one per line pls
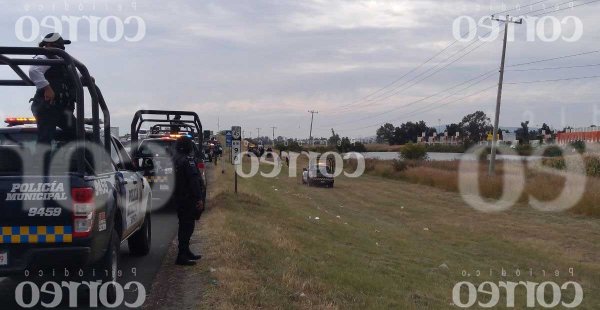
(188, 188)
(37, 73)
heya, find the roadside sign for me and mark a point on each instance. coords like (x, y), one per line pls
(236, 144)
(236, 132)
(228, 138)
(236, 150)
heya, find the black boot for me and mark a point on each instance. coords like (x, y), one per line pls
(184, 260)
(192, 256)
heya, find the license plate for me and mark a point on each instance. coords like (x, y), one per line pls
(3, 258)
(164, 187)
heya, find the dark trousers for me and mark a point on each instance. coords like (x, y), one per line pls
(48, 117)
(187, 223)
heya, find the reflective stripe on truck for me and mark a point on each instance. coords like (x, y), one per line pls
(36, 234)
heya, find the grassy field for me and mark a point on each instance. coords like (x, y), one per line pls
(445, 175)
(378, 243)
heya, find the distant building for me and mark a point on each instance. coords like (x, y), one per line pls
(586, 134)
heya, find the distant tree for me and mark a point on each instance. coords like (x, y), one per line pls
(523, 133)
(452, 129)
(476, 126)
(385, 134)
(545, 128)
(410, 132)
(346, 145)
(334, 139)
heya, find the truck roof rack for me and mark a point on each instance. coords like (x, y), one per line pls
(168, 121)
(58, 57)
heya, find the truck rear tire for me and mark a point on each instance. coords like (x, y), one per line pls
(140, 242)
(106, 269)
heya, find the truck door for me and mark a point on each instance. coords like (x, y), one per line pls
(129, 186)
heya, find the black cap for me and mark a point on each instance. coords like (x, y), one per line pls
(54, 38)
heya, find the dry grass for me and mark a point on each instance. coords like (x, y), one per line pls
(444, 175)
(369, 249)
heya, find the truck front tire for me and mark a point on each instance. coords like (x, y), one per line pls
(140, 242)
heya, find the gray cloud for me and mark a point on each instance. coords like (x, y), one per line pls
(265, 63)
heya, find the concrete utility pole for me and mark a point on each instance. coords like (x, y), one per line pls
(508, 20)
(312, 115)
(258, 135)
(273, 135)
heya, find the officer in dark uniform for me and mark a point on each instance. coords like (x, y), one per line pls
(188, 197)
(54, 101)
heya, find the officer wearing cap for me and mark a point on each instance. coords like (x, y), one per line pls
(54, 101)
(188, 197)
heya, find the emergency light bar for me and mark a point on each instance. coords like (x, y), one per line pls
(16, 121)
(175, 136)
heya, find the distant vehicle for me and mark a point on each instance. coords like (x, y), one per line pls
(313, 175)
(157, 150)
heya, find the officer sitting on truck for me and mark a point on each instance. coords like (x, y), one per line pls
(188, 197)
(54, 101)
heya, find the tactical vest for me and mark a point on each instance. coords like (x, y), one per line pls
(62, 85)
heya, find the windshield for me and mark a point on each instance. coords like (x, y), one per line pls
(156, 148)
(20, 153)
(317, 169)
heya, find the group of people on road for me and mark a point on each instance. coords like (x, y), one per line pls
(53, 105)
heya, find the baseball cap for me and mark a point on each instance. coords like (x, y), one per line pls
(55, 38)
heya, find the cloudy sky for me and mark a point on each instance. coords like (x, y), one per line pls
(266, 63)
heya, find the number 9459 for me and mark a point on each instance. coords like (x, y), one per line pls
(44, 211)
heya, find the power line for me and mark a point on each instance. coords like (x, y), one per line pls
(556, 80)
(515, 65)
(521, 64)
(410, 114)
(394, 91)
(553, 68)
(518, 8)
(397, 90)
(411, 71)
(403, 76)
(569, 3)
(485, 76)
(554, 58)
(420, 110)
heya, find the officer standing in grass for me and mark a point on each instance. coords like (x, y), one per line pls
(188, 197)
(54, 101)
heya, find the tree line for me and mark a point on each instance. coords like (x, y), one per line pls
(472, 129)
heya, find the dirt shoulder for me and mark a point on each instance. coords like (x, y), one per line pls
(179, 287)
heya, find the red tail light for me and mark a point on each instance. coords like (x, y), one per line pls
(83, 211)
(200, 165)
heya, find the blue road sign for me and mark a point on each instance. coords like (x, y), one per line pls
(228, 138)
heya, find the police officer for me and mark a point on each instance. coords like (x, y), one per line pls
(188, 197)
(54, 101)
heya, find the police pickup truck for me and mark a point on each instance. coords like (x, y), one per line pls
(73, 203)
(155, 152)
